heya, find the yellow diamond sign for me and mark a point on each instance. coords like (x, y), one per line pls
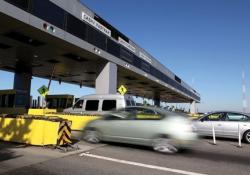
(122, 90)
(43, 90)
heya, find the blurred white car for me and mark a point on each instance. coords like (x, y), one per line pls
(163, 130)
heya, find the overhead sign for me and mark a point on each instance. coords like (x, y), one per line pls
(145, 57)
(43, 90)
(122, 90)
(96, 24)
(126, 44)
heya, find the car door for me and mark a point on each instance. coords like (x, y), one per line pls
(131, 128)
(204, 125)
(231, 124)
(114, 127)
(143, 125)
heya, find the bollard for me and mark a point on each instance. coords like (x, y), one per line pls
(239, 134)
(213, 133)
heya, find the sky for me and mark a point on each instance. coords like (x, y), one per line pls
(204, 42)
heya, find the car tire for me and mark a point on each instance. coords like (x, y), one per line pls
(91, 136)
(246, 136)
(164, 145)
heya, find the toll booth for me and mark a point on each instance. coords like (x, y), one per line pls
(59, 102)
(11, 102)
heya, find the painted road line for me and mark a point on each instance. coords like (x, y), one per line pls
(140, 164)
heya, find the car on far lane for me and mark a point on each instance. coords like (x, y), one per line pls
(227, 124)
(163, 130)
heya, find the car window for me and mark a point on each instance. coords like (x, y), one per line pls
(108, 105)
(137, 113)
(146, 114)
(79, 104)
(214, 117)
(92, 105)
(236, 117)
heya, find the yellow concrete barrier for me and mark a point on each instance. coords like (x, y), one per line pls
(34, 131)
(41, 111)
(78, 121)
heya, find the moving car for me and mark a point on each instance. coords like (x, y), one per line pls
(163, 130)
(99, 104)
(226, 124)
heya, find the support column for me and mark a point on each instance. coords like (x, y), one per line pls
(22, 84)
(193, 108)
(106, 81)
(157, 100)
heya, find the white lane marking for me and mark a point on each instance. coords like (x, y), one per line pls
(141, 164)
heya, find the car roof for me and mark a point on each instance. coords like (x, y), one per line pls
(105, 96)
(157, 109)
(225, 111)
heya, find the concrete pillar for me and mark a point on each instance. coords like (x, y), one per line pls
(106, 81)
(157, 99)
(157, 102)
(193, 108)
(22, 84)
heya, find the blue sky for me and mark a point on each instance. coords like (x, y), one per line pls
(205, 42)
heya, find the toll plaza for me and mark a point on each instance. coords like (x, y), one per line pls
(67, 42)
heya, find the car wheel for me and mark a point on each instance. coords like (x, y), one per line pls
(91, 136)
(164, 145)
(247, 136)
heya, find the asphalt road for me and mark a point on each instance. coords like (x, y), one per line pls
(119, 159)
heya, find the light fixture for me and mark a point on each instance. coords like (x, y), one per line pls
(49, 28)
(97, 51)
(127, 65)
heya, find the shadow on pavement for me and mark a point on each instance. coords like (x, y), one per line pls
(7, 152)
(15, 131)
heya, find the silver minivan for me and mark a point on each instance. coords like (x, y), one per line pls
(100, 103)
